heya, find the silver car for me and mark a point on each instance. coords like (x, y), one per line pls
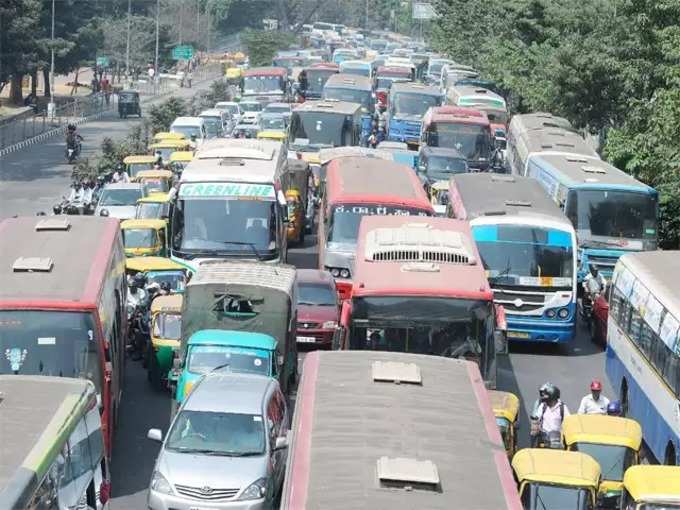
(226, 447)
(119, 200)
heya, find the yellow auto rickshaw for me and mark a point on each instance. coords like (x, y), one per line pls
(166, 325)
(155, 181)
(556, 479)
(168, 135)
(233, 75)
(651, 487)
(145, 237)
(154, 207)
(296, 216)
(135, 164)
(158, 270)
(505, 407)
(272, 134)
(166, 147)
(179, 160)
(612, 441)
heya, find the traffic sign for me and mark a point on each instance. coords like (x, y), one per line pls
(102, 61)
(423, 10)
(182, 53)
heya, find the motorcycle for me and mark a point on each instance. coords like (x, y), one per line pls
(73, 151)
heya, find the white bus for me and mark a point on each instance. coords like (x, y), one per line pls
(230, 203)
(643, 346)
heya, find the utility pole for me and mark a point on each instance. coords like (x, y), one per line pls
(50, 106)
(155, 67)
(198, 21)
(127, 43)
(366, 16)
(181, 20)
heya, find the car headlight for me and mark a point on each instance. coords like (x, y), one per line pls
(329, 325)
(563, 313)
(344, 273)
(550, 314)
(255, 490)
(160, 484)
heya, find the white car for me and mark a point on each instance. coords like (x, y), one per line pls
(251, 112)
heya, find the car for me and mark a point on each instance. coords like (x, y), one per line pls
(232, 107)
(226, 447)
(119, 200)
(251, 112)
(284, 109)
(318, 308)
(216, 122)
(245, 131)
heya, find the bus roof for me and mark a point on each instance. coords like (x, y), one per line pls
(218, 148)
(265, 71)
(357, 436)
(415, 88)
(460, 114)
(328, 106)
(486, 194)
(254, 274)
(362, 180)
(578, 171)
(36, 412)
(434, 257)
(486, 97)
(394, 70)
(230, 170)
(539, 120)
(349, 81)
(55, 261)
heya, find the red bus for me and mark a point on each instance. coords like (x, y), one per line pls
(464, 129)
(63, 303)
(357, 187)
(265, 84)
(420, 287)
(388, 430)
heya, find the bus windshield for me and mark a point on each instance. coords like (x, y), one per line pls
(412, 104)
(317, 78)
(56, 343)
(225, 226)
(511, 253)
(362, 97)
(321, 129)
(612, 214)
(345, 219)
(262, 84)
(471, 140)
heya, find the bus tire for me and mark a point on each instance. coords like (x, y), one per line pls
(670, 458)
(623, 397)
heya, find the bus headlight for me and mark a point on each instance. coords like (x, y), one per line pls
(335, 272)
(550, 314)
(344, 273)
(563, 313)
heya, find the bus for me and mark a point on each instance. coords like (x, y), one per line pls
(612, 212)
(353, 88)
(230, 203)
(465, 129)
(316, 125)
(528, 249)
(385, 77)
(408, 103)
(312, 79)
(63, 304)
(265, 84)
(537, 134)
(355, 187)
(419, 286)
(643, 347)
(52, 454)
(482, 99)
(388, 430)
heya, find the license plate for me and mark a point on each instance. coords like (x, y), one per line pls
(306, 339)
(518, 334)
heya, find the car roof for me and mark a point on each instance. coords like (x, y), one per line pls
(278, 105)
(230, 392)
(123, 185)
(211, 113)
(186, 121)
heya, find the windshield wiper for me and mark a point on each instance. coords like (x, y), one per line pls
(243, 243)
(220, 367)
(240, 454)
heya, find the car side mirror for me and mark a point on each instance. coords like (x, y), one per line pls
(281, 443)
(155, 435)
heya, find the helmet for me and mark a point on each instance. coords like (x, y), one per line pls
(549, 391)
(71, 127)
(596, 385)
(165, 286)
(138, 280)
(614, 408)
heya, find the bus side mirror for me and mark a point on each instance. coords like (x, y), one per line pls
(500, 341)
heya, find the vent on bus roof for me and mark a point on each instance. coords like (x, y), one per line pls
(518, 203)
(481, 91)
(58, 223)
(396, 372)
(564, 144)
(232, 162)
(502, 178)
(407, 474)
(33, 264)
(590, 169)
(574, 159)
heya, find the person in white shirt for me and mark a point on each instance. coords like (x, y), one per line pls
(76, 194)
(550, 414)
(595, 402)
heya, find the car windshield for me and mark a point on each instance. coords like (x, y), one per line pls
(442, 167)
(406, 103)
(151, 210)
(114, 197)
(318, 128)
(613, 214)
(49, 343)
(212, 433)
(555, 497)
(472, 141)
(205, 358)
(658, 506)
(274, 122)
(362, 97)
(213, 126)
(262, 84)
(357, 70)
(251, 107)
(316, 294)
(187, 131)
(140, 238)
(613, 459)
(345, 219)
(167, 326)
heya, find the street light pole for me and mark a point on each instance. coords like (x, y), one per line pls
(127, 44)
(155, 66)
(50, 106)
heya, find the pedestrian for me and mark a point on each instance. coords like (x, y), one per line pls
(594, 402)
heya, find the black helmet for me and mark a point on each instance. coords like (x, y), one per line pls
(71, 127)
(139, 280)
(165, 286)
(549, 391)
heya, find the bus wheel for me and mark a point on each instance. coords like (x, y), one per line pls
(670, 458)
(623, 397)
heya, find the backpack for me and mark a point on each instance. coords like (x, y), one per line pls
(545, 407)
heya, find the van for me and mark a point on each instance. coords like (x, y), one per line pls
(191, 127)
(216, 122)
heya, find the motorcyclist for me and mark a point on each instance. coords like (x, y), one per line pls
(88, 193)
(550, 414)
(76, 194)
(594, 283)
(594, 402)
(136, 301)
(614, 408)
(120, 175)
(158, 164)
(73, 138)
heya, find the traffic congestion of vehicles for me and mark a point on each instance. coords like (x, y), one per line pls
(448, 233)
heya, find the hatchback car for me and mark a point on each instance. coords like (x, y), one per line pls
(226, 447)
(318, 308)
(119, 200)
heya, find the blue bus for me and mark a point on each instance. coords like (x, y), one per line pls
(352, 88)
(643, 346)
(408, 103)
(528, 249)
(612, 212)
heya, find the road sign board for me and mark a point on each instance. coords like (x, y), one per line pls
(423, 10)
(102, 61)
(182, 52)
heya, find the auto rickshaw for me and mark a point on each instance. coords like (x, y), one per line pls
(166, 147)
(166, 327)
(647, 487)
(233, 75)
(296, 217)
(154, 207)
(155, 181)
(556, 479)
(135, 164)
(272, 134)
(145, 237)
(158, 270)
(179, 160)
(612, 441)
(505, 407)
(168, 135)
(128, 103)
(302, 181)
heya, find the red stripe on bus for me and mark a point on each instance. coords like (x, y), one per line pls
(100, 264)
(507, 480)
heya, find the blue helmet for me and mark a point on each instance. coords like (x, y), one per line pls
(614, 408)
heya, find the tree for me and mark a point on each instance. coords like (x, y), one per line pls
(261, 46)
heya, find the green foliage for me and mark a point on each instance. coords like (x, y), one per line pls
(161, 116)
(261, 46)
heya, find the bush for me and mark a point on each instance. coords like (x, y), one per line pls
(162, 115)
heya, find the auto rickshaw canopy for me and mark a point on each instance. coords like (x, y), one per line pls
(167, 304)
(146, 264)
(154, 174)
(559, 467)
(181, 157)
(171, 144)
(168, 135)
(653, 484)
(234, 73)
(156, 198)
(271, 134)
(504, 405)
(143, 224)
(602, 429)
(139, 159)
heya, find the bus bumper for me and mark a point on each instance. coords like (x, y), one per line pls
(524, 329)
